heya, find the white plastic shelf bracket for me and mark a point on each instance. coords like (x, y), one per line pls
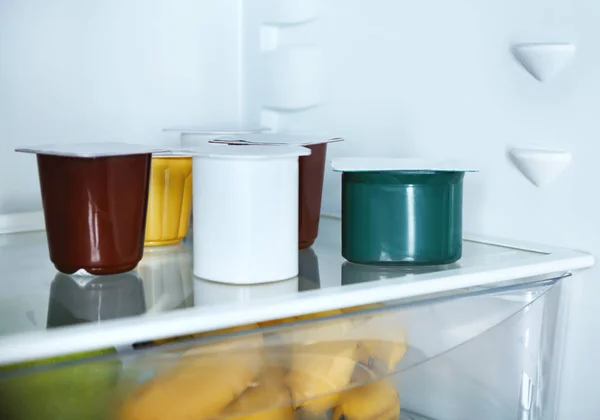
(544, 60)
(540, 167)
(290, 61)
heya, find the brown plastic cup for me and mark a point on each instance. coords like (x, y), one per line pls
(312, 171)
(95, 210)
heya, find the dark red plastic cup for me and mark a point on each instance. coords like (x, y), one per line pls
(95, 211)
(312, 171)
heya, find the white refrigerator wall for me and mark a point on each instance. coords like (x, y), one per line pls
(111, 70)
(438, 78)
(432, 78)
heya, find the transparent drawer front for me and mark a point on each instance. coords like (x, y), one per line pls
(481, 355)
(507, 371)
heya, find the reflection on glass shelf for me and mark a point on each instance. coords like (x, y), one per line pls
(207, 292)
(79, 299)
(33, 297)
(162, 282)
(167, 275)
(358, 273)
(308, 270)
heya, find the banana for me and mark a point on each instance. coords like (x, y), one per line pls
(223, 346)
(375, 401)
(278, 356)
(353, 309)
(359, 308)
(382, 342)
(198, 388)
(304, 415)
(382, 353)
(162, 341)
(343, 327)
(360, 319)
(322, 331)
(278, 351)
(269, 400)
(275, 322)
(319, 372)
(363, 375)
(285, 340)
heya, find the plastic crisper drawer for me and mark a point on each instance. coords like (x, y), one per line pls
(473, 355)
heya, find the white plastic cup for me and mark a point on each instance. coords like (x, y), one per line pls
(200, 135)
(246, 213)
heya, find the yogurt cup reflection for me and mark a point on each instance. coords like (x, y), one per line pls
(308, 270)
(360, 273)
(81, 299)
(210, 293)
(167, 276)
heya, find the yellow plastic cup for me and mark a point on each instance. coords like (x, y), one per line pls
(169, 200)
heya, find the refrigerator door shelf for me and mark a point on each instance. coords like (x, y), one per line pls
(487, 265)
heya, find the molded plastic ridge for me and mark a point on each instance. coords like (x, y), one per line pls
(290, 12)
(541, 167)
(544, 60)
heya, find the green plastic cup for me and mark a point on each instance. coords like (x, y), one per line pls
(402, 217)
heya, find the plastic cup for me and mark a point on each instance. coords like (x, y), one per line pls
(401, 211)
(197, 136)
(94, 198)
(311, 174)
(246, 213)
(95, 211)
(169, 201)
(310, 194)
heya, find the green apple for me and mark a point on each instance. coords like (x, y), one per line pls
(79, 390)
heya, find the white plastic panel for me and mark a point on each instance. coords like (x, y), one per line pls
(75, 71)
(294, 78)
(439, 79)
(290, 12)
(544, 60)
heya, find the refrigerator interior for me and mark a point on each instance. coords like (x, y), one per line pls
(393, 78)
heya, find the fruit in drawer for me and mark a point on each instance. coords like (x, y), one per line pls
(81, 389)
(366, 307)
(384, 353)
(197, 388)
(315, 316)
(382, 341)
(220, 345)
(361, 318)
(275, 322)
(268, 400)
(319, 372)
(375, 401)
(321, 331)
(224, 345)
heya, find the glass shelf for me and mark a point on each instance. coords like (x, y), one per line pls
(44, 313)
